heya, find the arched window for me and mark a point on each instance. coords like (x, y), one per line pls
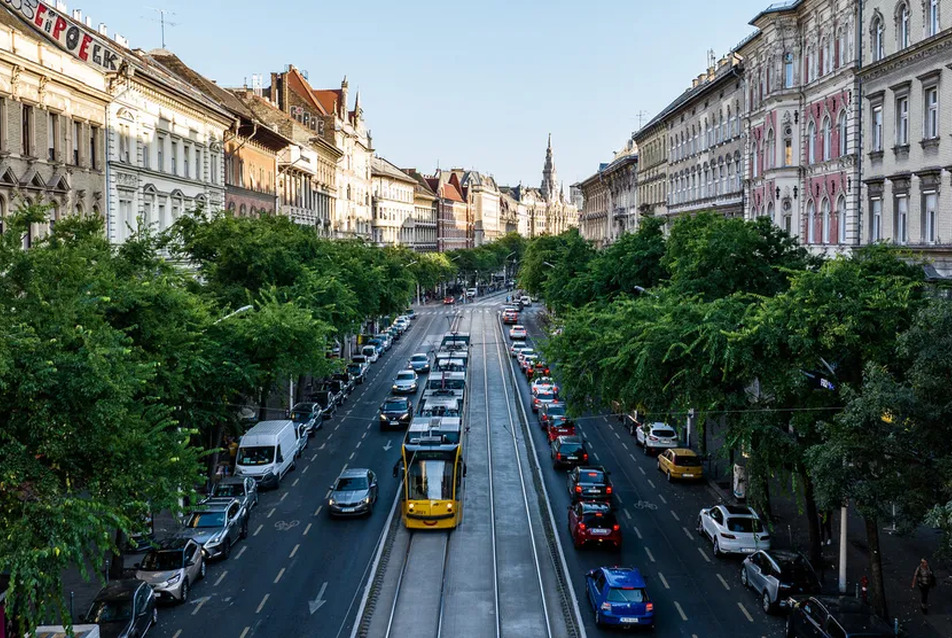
(827, 138)
(770, 212)
(811, 142)
(811, 221)
(841, 131)
(841, 219)
(825, 208)
(771, 152)
(902, 25)
(877, 42)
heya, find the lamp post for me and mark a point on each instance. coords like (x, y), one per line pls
(233, 313)
(416, 261)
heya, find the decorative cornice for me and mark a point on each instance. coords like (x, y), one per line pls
(925, 49)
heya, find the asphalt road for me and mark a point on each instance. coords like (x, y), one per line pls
(300, 573)
(695, 594)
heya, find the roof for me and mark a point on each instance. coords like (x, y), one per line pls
(328, 98)
(623, 577)
(267, 427)
(683, 451)
(354, 472)
(450, 192)
(777, 7)
(739, 510)
(214, 504)
(380, 166)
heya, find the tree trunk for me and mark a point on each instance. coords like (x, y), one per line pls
(263, 403)
(813, 522)
(299, 388)
(214, 444)
(115, 566)
(877, 591)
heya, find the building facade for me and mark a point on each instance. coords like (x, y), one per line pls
(706, 143)
(393, 204)
(907, 95)
(610, 198)
(482, 196)
(452, 224)
(426, 210)
(593, 219)
(652, 141)
(52, 123)
(801, 96)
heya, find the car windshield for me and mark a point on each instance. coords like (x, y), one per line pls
(688, 460)
(594, 477)
(570, 447)
(556, 409)
(162, 561)
(744, 524)
(419, 358)
(629, 595)
(406, 376)
(350, 483)
(110, 611)
(260, 455)
(206, 519)
(395, 406)
(354, 369)
(228, 489)
(300, 415)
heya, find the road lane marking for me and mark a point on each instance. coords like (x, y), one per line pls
(650, 555)
(283, 496)
(681, 611)
(328, 495)
(335, 428)
(616, 435)
(674, 514)
(221, 578)
(618, 499)
(663, 581)
(199, 606)
(687, 532)
(294, 551)
(352, 456)
(330, 436)
(628, 514)
(265, 599)
(241, 551)
(358, 444)
(624, 445)
(663, 499)
(244, 633)
(637, 533)
(258, 530)
(271, 513)
(304, 471)
(307, 529)
(641, 468)
(746, 613)
(278, 577)
(294, 483)
(318, 510)
(723, 582)
(365, 435)
(179, 633)
(651, 483)
(704, 554)
(633, 457)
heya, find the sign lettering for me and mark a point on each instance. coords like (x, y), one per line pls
(71, 36)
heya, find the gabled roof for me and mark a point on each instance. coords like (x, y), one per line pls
(328, 98)
(298, 83)
(450, 192)
(174, 64)
(380, 166)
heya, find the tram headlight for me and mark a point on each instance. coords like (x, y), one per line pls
(449, 507)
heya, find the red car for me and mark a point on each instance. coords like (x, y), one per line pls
(538, 368)
(562, 427)
(510, 317)
(449, 300)
(591, 522)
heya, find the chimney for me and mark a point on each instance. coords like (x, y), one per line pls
(710, 71)
(78, 15)
(103, 30)
(88, 22)
(61, 6)
(121, 41)
(694, 83)
(722, 62)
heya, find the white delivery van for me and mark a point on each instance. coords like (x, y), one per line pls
(267, 452)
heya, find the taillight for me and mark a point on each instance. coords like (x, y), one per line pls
(726, 535)
(558, 456)
(585, 457)
(616, 527)
(581, 527)
(608, 490)
(649, 606)
(578, 488)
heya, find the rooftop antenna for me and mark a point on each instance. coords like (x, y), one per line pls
(162, 21)
(711, 58)
(641, 115)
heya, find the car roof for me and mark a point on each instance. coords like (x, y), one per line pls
(623, 577)
(739, 510)
(354, 472)
(416, 355)
(784, 556)
(569, 438)
(119, 589)
(660, 424)
(683, 451)
(237, 480)
(393, 398)
(215, 504)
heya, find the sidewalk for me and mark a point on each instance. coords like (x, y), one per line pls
(900, 556)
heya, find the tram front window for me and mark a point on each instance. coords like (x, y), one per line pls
(430, 480)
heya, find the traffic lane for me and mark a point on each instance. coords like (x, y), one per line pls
(666, 537)
(244, 584)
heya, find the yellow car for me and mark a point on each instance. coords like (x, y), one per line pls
(680, 463)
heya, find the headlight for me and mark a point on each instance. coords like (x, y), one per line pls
(173, 580)
(396, 387)
(331, 501)
(405, 415)
(366, 500)
(216, 539)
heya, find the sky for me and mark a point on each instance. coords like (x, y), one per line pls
(477, 85)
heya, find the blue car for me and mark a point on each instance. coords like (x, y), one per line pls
(618, 597)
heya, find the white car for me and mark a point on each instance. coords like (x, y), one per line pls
(517, 332)
(656, 436)
(526, 301)
(543, 382)
(370, 352)
(733, 529)
(405, 383)
(525, 352)
(517, 347)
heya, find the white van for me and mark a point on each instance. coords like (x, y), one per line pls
(267, 452)
(370, 352)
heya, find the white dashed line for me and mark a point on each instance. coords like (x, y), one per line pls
(179, 633)
(651, 483)
(352, 454)
(278, 577)
(294, 551)
(704, 554)
(265, 599)
(221, 578)
(680, 611)
(304, 471)
(240, 552)
(295, 481)
(330, 436)
(637, 533)
(257, 530)
(318, 510)
(358, 444)
(663, 499)
(271, 513)
(687, 532)
(663, 581)
(283, 496)
(616, 435)
(746, 613)
(244, 633)
(674, 514)
(634, 459)
(650, 555)
(723, 582)
(628, 514)
(198, 606)
(307, 529)
(641, 468)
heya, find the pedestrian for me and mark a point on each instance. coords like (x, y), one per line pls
(826, 527)
(924, 578)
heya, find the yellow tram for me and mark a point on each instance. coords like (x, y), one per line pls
(432, 482)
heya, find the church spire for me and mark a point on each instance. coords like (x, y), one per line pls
(550, 180)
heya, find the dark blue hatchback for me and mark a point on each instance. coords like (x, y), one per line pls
(618, 597)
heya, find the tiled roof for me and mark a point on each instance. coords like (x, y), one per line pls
(380, 166)
(328, 98)
(449, 191)
(225, 98)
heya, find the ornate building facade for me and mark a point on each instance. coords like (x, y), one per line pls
(452, 223)
(426, 210)
(393, 204)
(610, 198)
(652, 141)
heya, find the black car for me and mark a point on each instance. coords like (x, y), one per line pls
(123, 609)
(395, 413)
(335, 388)
(835, 617)
(589, 483)
(326, 401)
(346, 381)
(357, 370)
(568, 451)
(309, 414)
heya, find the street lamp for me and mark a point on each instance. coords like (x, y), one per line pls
(232, 314)
(545, 263)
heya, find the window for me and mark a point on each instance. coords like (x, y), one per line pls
(94, 147)
(930, 128)
(787, 217)
(198, 163)
(27, 132)
(124, 143)
(875, 219)
(841, 220)
(160, 150)
(902, 22)
(771, 151)
(878, 40)
(842, 133)
(825, 208)
(186, 153)
(932, 17)
(929, 203)
(788, 70)
(174, 158)
(827, 138)
(146, 154)
(77, 136)
(877, 126)
(902, 121)
(901, 219)
(827, 52)
(213, 169)
(811, 221)
(811, 142)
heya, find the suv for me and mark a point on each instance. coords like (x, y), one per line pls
(395, 412)
(568, 451)
(217, 525)
(308, 414)
(124, 608)
(618, 597)
(733, 529)
(835, 617)
(591, 522)
(551, 412)
(589, 483)
(243, 488)
(325, 399)
(357, 369)
(346, 381)
(172, 567)
(335, 388)
(656, 436)
(776, 575)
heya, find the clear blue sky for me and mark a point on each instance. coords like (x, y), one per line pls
(474, 84)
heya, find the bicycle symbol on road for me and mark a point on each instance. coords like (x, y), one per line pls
(644, 505)
(283, 526)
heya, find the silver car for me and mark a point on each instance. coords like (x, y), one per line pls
(172, 568)
(353, 493)
(405, 383)
(217, 525)
(242, 488)
(776, 575)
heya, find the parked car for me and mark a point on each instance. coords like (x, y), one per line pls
(309, 414)
(656, 436)
(411, 313)
(333, 350)
(395, 412)
(680, 463)
(358, 370)
(521, 354)
(525, 301)
(346, 380)
(618, 597)
(302, 439)
(242, 488)
(353, 493)
(542, 398)
(510, 316)
(526, 361)
(370, 352)
(217, 525)
(449, 300)
(517, 332)
(517, 348)
(419, 363)
(325, 399)
(334, 388)
(405, 382)
(267, 452)
(733, 529)
(172, 567)
(543, 381)
(386, 339)
(589, 483)
(835, 617)
(568, 451)
(593, 522)
(123, 609)
(776, 575)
